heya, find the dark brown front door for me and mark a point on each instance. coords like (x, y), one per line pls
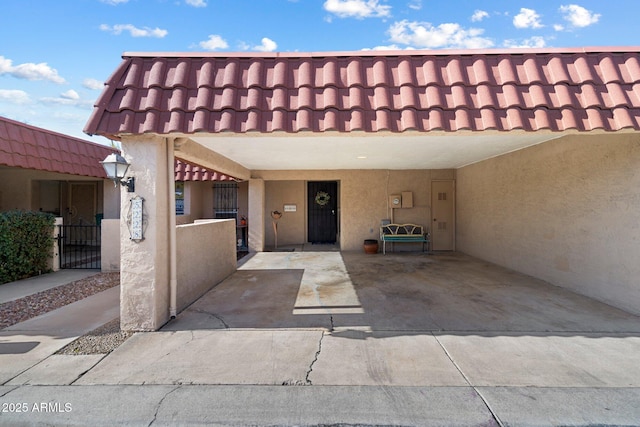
(323, 211)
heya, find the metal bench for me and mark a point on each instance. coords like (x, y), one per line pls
(403, 233)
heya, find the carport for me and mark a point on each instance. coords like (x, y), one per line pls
(538, 152)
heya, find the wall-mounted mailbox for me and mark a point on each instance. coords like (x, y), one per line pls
(407, 199)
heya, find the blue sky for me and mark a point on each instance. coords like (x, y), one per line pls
(55, 54)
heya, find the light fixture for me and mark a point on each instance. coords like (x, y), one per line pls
(116, 168)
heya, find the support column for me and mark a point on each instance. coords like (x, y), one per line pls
(256, 215)
(144, 265)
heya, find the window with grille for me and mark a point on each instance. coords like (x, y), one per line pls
(225, 200)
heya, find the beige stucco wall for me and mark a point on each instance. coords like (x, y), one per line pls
(144, 265)
(206, 255)
(566, 211)
(291, 226)
(363, 201)
(110, 245)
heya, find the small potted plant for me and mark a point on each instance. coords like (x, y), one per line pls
(371, 246)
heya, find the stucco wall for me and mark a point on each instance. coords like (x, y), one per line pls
(566, 211)
(206, 255)
(291, 227)
(363, 201)
(144, 265)
(110, 245)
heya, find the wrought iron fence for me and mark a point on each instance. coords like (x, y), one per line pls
(79, 246)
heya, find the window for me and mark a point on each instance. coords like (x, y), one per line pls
(225, 200)
(179, 198)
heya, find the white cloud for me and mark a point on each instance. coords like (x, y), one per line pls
(532, 42)
(425, 35)
(70, 94)
(357, 8)
(388, 47)
(92, 84)
(14, 96)
(415, 4)
(196, 3)
(30, 71)
(267, 45)
(134, 31)
(479, 15)
(527, 18)
(65, 99)
(558, 27)
(578, 16)
(214, 42)
(114, 2)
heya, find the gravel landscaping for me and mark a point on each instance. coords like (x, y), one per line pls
(99, 341)
(22, 309)
(102, 340)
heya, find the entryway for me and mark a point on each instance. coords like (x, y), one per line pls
(322, 212)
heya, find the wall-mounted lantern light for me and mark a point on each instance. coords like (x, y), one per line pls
(116, 168)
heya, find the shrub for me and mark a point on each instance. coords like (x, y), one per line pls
(26, 240)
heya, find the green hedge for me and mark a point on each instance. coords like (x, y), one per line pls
(26, 240)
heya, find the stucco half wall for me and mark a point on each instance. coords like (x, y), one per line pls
(110, 245)
(566, 211)
(206, 253)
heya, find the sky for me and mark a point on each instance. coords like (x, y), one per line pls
(55, 55)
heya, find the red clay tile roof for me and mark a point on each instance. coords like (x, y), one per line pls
(189, 172)
(30, 147)
(555, 90)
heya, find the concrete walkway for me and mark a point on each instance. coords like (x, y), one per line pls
(25, 287)
(321, 338)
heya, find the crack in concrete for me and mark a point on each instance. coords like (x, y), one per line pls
(468, 381)
(155, 415)
(82, 374)
(315, 359)
(215, 316)
(9, 391)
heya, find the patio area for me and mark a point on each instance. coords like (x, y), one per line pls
(405, 319)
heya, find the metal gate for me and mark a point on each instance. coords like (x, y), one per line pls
(79, 246)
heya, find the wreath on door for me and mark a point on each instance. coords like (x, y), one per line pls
(322, 198)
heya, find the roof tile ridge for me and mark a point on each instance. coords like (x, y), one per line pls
(632, 66)
(565, 96)
(105, 97)
(608, 68)
(616, 95)
(157, 73)
(35, 131)
(585, 69)
(557, 70)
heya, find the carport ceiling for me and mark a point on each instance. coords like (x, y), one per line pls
(392, 151)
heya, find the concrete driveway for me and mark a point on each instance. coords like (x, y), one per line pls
(401, 339)
(406, 319)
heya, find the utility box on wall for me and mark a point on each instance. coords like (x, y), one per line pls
(407, 199)
(395, 201)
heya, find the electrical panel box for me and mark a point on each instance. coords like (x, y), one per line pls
(395, 201)
(407, 199)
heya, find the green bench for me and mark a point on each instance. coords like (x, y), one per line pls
(403, 233)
